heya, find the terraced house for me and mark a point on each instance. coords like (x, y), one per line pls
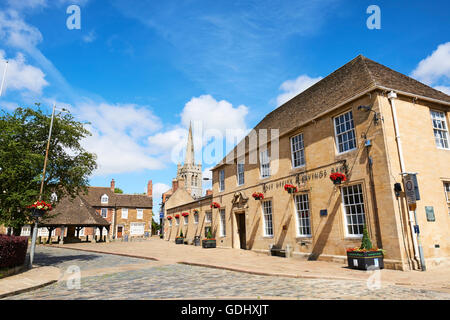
(371, 124)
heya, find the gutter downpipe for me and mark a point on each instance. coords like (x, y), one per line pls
(391, 96)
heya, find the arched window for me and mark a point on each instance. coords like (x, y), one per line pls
(105, 198)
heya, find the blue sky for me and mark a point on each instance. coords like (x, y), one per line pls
(140, 71)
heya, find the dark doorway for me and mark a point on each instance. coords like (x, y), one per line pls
(119, 232)
(241, 230)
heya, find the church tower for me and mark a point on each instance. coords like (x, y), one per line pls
(189, 171)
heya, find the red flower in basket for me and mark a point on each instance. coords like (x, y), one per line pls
(290, 188)
(169, 218)
(185, 214)
(41, 205)
(258, 195)
(215, 205)
(177, 216)
(338, 177)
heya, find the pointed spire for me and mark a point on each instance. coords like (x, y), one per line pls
(189, 148)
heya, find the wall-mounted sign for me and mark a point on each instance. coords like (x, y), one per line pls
(323, 212)
(429, 210)
(410, 191)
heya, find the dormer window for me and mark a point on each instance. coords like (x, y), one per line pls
(105, 198)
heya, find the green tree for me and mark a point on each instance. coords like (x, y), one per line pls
(366, 243)
(118, 190)
(23, 141)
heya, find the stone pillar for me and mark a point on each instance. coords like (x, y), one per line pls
(61, 241)
(108, 235)
(94, 240)
(101, 234)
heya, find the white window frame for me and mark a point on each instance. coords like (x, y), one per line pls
(345, 132)
(186, 220)
(264, 164)
(447, 193)
(221, 180)
(82, 232)
(104, 199)
(177, 221)
(222, 215)
(25, 231)
(301, 150)
(104, 210)
(170, 222)
(240, 173)
(267, 218)
(124, 213)
(439, 123)
(196, 218)
(354, 204)
(302, 207)
(140, 214)
(208, 216)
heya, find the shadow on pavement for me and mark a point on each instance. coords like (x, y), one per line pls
(44, 259)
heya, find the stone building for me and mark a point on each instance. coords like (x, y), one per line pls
(364, 120)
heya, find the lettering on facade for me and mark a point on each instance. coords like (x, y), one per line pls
(303, 178)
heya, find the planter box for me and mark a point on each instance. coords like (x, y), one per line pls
(179, 240)
(209, 243)
(364, 260)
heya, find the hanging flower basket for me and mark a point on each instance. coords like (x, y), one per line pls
(215, 205)
(169, 218)
(39, 208)
(195, 211)
(290, 188)
(185, 214)
(258, 196)
(177, 216)
(338, 177)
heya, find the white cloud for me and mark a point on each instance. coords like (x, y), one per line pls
(90, 37)
(22, 4)
(435, 67)
(208, 116)
(158, 190)
(213, 114)
(292, 88)
(119, 135)
(21, 76)
(444, 89)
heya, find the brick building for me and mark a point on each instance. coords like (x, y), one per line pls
(364, 120)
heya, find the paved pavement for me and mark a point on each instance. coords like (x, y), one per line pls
(261, 264)
(28, 280)
(106, 276)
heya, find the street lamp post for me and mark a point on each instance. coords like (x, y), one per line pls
(36, 218)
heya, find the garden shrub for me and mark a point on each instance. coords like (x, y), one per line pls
(13, 250)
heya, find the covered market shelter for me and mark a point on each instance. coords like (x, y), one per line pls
(74, 214)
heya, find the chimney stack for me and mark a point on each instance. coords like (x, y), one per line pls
(174, 185)
(113, 185)
(149, 188)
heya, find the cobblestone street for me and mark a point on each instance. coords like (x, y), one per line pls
(150, 280)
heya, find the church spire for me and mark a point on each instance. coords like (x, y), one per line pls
(189, 148)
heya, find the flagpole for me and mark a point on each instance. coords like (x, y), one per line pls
(4, 77)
